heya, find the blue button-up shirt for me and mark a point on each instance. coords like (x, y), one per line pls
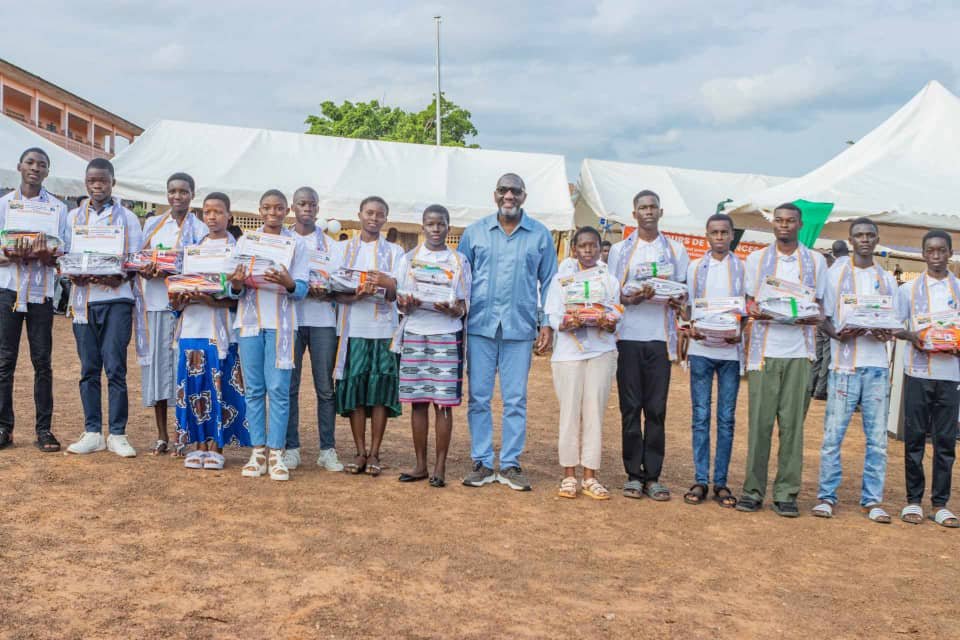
(506, 271)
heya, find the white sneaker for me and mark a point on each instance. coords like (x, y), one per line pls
(89, 442)
(257, 464)
(291, 458)
(328, 460)
(278, 470)
(121, 446)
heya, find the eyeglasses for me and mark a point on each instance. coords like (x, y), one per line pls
(517, 191)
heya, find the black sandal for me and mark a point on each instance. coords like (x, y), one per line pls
(47, 443)
(724, 497)
(6, 438)
(697, 494)
(438, 482)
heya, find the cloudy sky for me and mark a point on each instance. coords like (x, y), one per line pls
(736, 86)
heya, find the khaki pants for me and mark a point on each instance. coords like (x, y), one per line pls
(583, 388)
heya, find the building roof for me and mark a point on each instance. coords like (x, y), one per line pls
(12, 71)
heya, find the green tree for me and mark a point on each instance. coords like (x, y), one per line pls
(374, 121)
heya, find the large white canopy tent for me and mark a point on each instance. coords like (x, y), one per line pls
(903, 175)
(66, 169)
(244, 163)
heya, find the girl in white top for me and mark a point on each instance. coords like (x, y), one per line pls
(584, 362)
(210, 408)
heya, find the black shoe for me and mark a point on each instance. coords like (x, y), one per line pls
(748, 504)
(786, 509)
(46, 442)
(6, 438)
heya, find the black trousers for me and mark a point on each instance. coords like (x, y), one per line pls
(39, 319)
(929, 406)
(643, 377)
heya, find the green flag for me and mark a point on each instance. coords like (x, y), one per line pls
(815, 214)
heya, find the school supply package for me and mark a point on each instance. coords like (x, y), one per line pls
(212, 284)
(588, 299)
(431, 283)
(786, 302)
(165, 260)
(347, 280)
(9, 238)
(658, 275)
(319, 269)
(31, 216)
(90, 264)
(867, 312)
(939, 331)
(260, 252)
(718, 319)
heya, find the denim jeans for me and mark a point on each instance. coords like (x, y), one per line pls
(870, 388)
(102, 347)
(702, 371)
(262, 379)
(322, 343)
(485, 357)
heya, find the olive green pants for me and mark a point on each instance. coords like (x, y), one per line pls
(778, 393)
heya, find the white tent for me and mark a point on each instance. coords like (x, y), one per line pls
(66, 169)
(246, 162)
(902, 174)
(688, 196)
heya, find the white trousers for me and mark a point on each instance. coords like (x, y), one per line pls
(583, 388)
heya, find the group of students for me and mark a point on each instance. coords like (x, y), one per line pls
(231, 364)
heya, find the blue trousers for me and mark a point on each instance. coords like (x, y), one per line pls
(322, 343)
(102, 347)
(262, 379)
(702, 371)
(485, 357)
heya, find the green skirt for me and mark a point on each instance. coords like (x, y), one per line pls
(370, 378)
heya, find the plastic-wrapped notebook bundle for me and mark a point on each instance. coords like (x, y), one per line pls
(586, 287)
(590, 315)
(347, 280)
(90, 264)
(718, 319)
(319, 278)
(785, 301)
(166, 260)
(256, 272)
(658, 275)
(9, 238)
(867, 312)
(939, 331)
(211, 284)
(431, 283)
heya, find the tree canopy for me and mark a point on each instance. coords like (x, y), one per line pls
(374, 121)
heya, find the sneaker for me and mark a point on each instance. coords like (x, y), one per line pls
(121, 446)
(328, 460)
(291, 458)
(480, 476)
(514, 478)
(89, 442)
(278, 470)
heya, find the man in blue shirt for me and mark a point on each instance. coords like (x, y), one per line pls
(511, 257)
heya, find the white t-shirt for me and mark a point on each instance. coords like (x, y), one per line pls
(785, 341)
(365, 320)
(197, 320)
(647, 321)
(566, 348)
(718, 286)
(870, 352)
(943, 366)
(103, 218)
(8, 272)
(268, 299)
(424, 322)
(169, 235)
(310, 311)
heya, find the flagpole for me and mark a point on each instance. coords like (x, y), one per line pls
(437, 19)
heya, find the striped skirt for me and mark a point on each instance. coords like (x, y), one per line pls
(431, 369)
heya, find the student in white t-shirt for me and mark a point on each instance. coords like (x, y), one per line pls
(584, 362)
(316, 332)
(430, 342)
(366, 369)
(210, 407)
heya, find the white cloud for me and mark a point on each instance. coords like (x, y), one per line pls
(169, 57)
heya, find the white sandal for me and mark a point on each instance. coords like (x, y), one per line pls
(568, 487)
(214, 461)
(942, 516)
(876, 513)
(592, 488)
(823, 510)
(257, 464)
(278, 470)
(195, 460)
(912, 510)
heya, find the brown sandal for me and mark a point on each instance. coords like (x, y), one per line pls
(724, 497)
(696, 495)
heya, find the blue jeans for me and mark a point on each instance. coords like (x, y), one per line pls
(870, 388)
(702, 371)
(262, 379)
(511, 358)
(322, 343)
(102, 346)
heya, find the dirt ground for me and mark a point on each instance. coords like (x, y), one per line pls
(101, 547)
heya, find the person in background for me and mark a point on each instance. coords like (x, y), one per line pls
(393, 235)
(648, 344)
(430, 341)
(841, 255)
(605, 251)
(511, 257)
(22, 266)
(930, 399)
(343, 237)
(898, 274)
(859, 374)
(778, 366)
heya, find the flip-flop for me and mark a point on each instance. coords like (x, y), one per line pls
(195, 459)
(437, 482)
(406, 477)
(945, 518)
(214, 461)
(914, 510)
